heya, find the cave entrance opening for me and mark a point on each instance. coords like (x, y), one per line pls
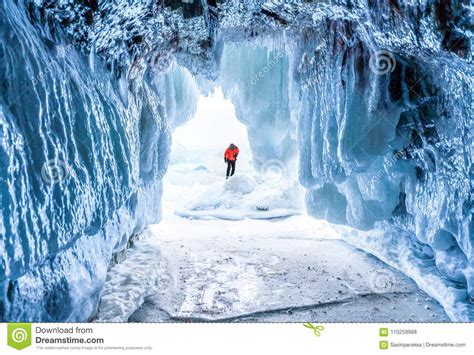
(245, 248)
(195, 186)
(228, 248)
(248, 105)
(197, 168)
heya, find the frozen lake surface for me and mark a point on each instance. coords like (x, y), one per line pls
(290, 269)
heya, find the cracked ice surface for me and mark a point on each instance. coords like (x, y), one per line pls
(237, 275)
(293, 269)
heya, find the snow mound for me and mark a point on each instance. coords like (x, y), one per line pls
(243, 196)
(240, 184)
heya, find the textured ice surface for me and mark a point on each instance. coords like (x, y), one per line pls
(390, 147)
(293, 269)
(180, 94)
(255, 272)
(380, 94)
(257, 80)
(76, 180)
(140, 275)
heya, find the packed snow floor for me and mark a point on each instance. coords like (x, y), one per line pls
(235, 262)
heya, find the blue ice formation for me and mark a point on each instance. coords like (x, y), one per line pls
(83, 152)
(373, 97)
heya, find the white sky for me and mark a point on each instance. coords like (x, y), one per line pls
(213, 128)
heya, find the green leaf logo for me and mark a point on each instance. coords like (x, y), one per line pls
(19, 335)
(316, 328)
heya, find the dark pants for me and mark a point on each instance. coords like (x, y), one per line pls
(230, 167)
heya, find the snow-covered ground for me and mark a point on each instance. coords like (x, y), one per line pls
(244, 250)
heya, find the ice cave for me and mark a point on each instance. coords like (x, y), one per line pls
(352, 199)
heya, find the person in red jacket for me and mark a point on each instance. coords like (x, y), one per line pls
(230, 156)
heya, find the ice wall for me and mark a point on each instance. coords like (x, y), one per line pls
(180, 93)
(384, 125)
(82, 154)
(257, 79)
(380, 93)
(385, 134)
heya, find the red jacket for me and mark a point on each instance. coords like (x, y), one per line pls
(231, 154)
